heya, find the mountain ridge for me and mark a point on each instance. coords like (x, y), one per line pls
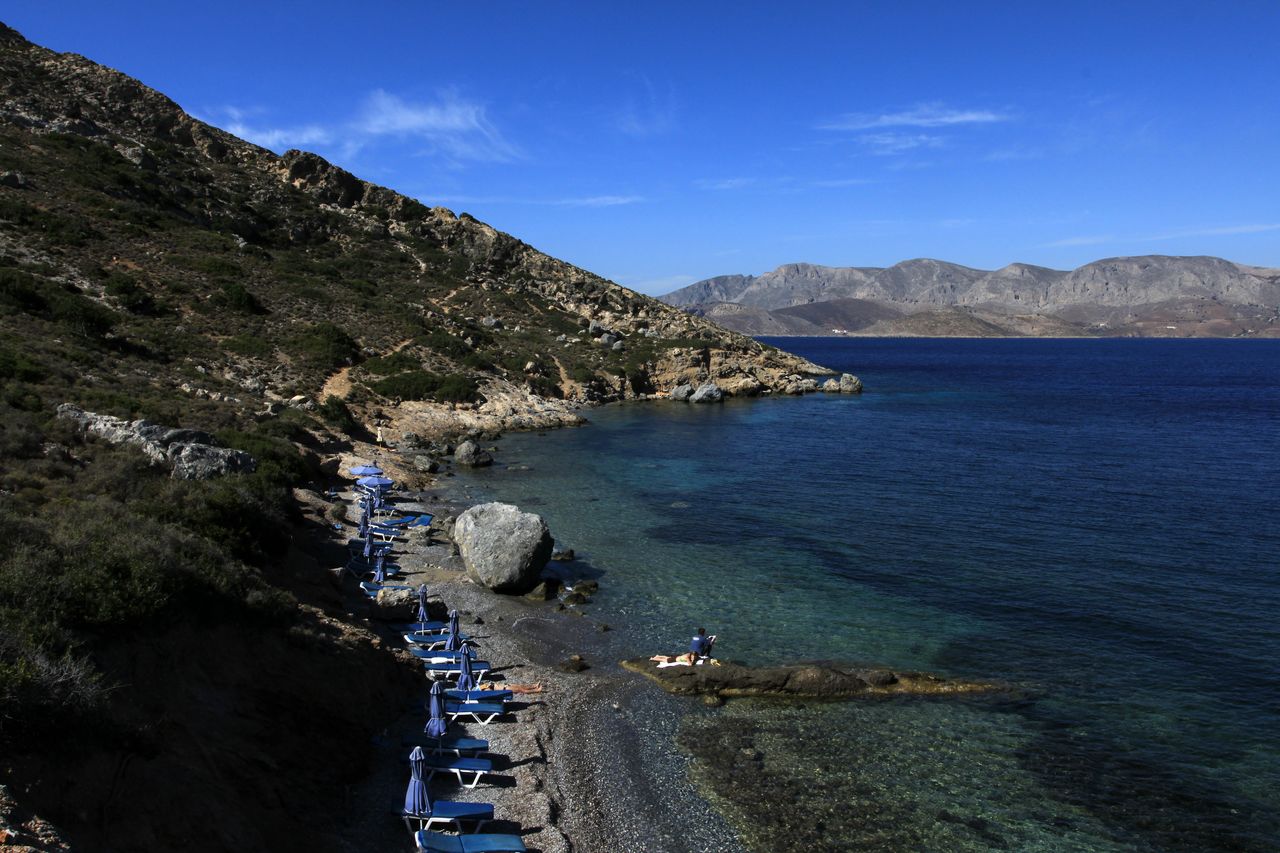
(1146, 294)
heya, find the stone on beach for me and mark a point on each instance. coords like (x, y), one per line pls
(707, 393)
(470, 455)
(682, 393)
(503, 548)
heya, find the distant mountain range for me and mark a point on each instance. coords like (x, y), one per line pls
(1149, 295)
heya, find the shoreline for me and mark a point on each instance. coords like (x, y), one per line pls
(580, 769)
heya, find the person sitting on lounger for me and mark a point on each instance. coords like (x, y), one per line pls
(701, 645)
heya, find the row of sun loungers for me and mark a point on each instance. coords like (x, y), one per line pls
(442, 649)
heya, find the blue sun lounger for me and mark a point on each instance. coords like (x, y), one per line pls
(428, 654)
(450, 814)
(472, 747)
(459, 767)
(423, 520)
(482, 712)
(424, 628)
(480, 695)
(371, 589)
(431, 641)
(449, 669)
(435, 842)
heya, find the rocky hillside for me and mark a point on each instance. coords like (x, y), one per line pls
(177, 669)
(184, 247)
(1149, 295)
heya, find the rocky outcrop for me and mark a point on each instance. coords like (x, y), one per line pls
(190, 453)
(470, 455)
(503, 548)
(682, 393)
(708, 392)
(820, 680)
(850, 384)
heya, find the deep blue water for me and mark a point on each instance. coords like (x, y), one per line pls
(1095, 522)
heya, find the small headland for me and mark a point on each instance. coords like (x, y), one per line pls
(819, 681)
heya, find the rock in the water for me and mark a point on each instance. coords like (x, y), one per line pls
(850, 384)
(426, 464)
(188, 452)
(831, 386)
(470, 455)
(544, 591)
(575, 663)
(562, 555)
(682, 392)
(503, 548)
(707, 393)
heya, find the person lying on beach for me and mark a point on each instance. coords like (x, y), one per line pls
(686, 659)
(514, 688)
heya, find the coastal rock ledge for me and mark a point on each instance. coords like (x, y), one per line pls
(816, 680)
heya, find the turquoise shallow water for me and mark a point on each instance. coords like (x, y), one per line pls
(1095, 522)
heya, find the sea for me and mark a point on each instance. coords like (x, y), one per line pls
(1094, 524)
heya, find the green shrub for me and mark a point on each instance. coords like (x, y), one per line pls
(129, 294)
(252, 346)
(457, 388)
(335, 413)
(417, 385)
(236, 296)
(424, 385)
(394, 363)
(79, 314)
(324, 346)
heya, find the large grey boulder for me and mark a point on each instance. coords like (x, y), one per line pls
(707, 393)
(470, 455)
(503, 548)
(831, 386)
(189, 453)
(682, 393)
(850, 384)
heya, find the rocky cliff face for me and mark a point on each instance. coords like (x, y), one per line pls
(275, 272)
(1152, 290)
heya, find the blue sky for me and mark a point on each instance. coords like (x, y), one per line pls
(669, 142)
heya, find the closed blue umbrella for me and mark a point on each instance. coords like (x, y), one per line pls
(438, 723)
(366, 470)
(379, 572)
(364, 520)
(466, 681)
(416, 799)
(453, 640)
(422, 604)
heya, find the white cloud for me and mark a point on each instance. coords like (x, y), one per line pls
(598, 201)
(277, 138)
(582, 201)
(724, 183)
(650, 113)
(886, 144)
(922, 115)
(841, 182)
(450, 125)
(1221, 231)
(1087, 240)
